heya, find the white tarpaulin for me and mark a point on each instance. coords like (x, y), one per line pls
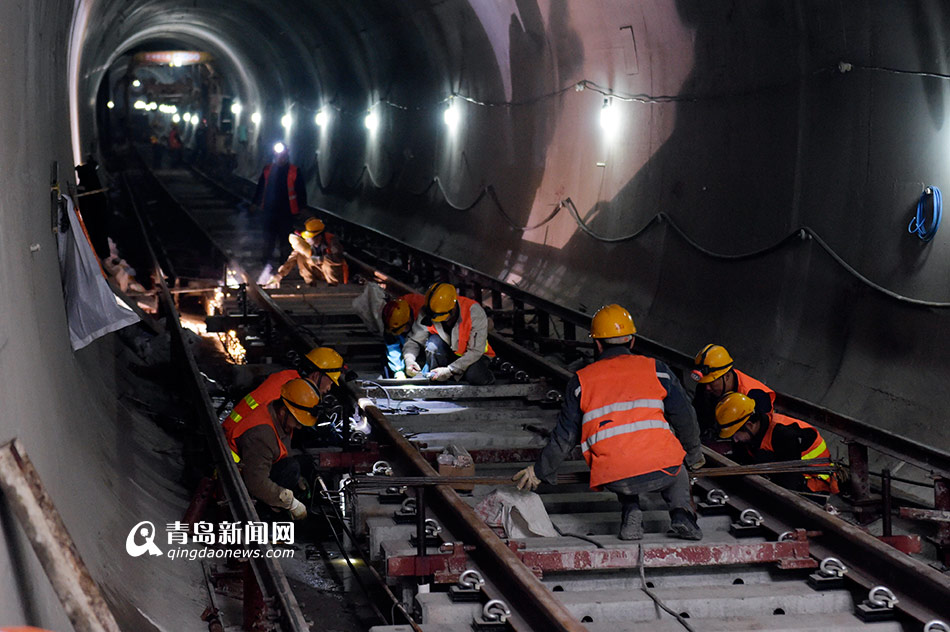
(92, 310)
(369, 307)
(517, 514)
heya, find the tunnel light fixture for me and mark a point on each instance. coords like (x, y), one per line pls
(371, 121)
(186, 117)
(136, 83)
(166, 108)
(287, 121)
(176, 119)
(110, 104)
(235, 108)
(256, 118)
(140, 105)
(152, 106)
(609, 117)
(322, 118)
(279, 147)
(451, 115)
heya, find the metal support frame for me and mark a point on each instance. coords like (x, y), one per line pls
(447, 566)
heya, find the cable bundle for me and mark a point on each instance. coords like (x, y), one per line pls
(917, 223)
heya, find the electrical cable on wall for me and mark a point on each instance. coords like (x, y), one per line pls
(917, 225)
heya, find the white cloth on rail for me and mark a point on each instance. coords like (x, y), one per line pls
(92, 310)
(519, 514)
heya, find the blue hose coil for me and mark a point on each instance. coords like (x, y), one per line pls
(917, 223)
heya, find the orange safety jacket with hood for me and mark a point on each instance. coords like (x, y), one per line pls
(252, 411)
(624, 431)
(465, 326)
(817, 450)
(291, 186)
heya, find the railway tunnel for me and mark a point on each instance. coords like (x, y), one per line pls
(733, 172)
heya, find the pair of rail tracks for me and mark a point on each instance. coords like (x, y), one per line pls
(770, 560)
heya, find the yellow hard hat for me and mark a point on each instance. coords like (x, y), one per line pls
(732, 411)
(397, 316)
(301, 398)
(441, 299)
(711, 363)
(312, 228)
(612, 321)
(327, 361)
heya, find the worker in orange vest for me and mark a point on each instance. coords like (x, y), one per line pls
(761, 435)
(317, 254)
(259, 431)
(623, 410)
(398, 316)
(715, 376)
(281, 193)
(452, 331)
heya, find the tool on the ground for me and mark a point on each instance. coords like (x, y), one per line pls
(815, 466)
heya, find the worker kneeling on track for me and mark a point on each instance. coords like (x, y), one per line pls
(259, 431)
(761, 435)
(453, 331)
(398, 316)
(715, 376)
(317, 254)
(620, 409)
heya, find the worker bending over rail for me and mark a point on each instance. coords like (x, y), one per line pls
(761, 435)
(620, 409)
(452, 330)
(713, 371)
(259, 430)
(398, 316)
(339, 415)
(317, 254)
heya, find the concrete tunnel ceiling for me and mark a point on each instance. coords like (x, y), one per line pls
(745, 130)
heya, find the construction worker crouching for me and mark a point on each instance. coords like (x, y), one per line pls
(398, 316)
(760, 435)
(317, 254)
(452, 330)
(339, 419)
(621, 409)
(259, 431)
(713, 371)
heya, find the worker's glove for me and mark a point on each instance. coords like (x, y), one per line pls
(399, 375)
(413, 369)
(696, 463)
(526, 479)
(274, 282)
(286, 498)
(297, 510)
(440, 374)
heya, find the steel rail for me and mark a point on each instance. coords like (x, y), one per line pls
(270, 576)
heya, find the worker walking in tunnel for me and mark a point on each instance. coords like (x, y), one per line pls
(317, 254)
(398, 316)
(621, 410)
(259, 431)
(761, 435)
(280, 195)
(452, 331)
(715, 376)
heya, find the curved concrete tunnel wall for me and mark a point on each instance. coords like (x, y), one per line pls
(765, 136)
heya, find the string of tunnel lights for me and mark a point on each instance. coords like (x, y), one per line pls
(609, 119)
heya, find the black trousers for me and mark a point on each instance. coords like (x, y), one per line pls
(438, 354)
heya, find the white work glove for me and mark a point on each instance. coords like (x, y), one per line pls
(297, 510)
(412, 368)
(695, 465)
(526, 479)
(274, 282)
(440, 374)
(399, 375)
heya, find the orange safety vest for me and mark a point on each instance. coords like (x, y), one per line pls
(817, 450)
(624, 432)
(465, 327)
(744, 384)
(252, 411)
(291, 189)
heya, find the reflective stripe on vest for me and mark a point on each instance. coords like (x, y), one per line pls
(291, 187)
(251, 411)
(817, 450)
(744, 384)
(464, 326)
(624, 432)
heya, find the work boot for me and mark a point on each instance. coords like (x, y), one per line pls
(631, 526)
(683, 525)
